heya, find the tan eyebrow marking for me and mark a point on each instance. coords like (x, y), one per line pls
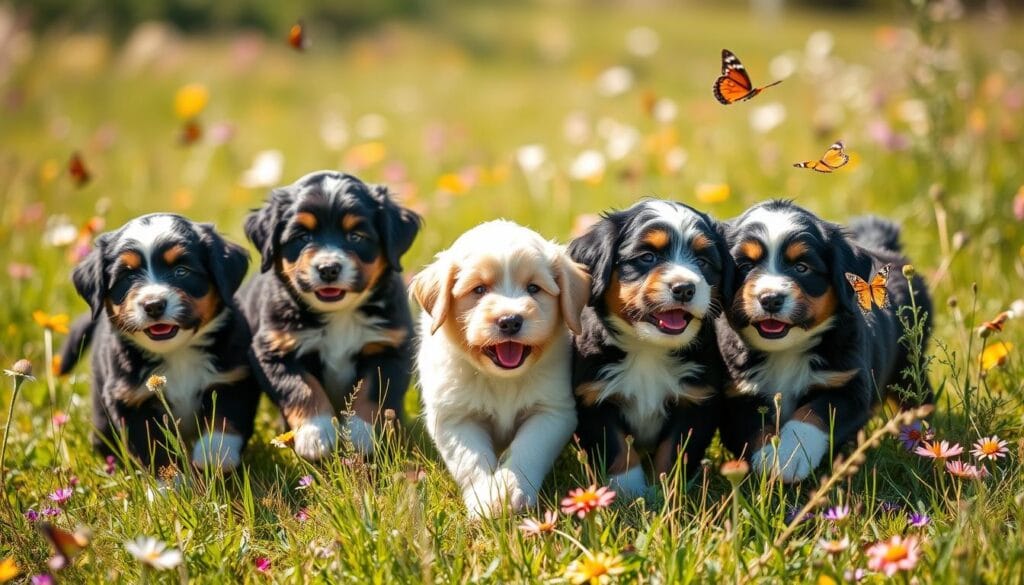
(349, 221)
(306, 220)
(796, 250)
(657, 238)
(700, 243)
(131, 259)
(174, 253)
(753, 250)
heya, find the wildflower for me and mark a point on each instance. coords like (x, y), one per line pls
(895, 554)
(43, 579)
(534, 527)
(791, 513)
(191, 100)
(110, 466)
(583, 501)
(712, 192)
(61, 495)
(766, 118)
(918, 520)
(939, 450)
(262, 564)
(365, 154)
(21, 369)
(890, 507)
(913, 434)
(854, 575)
(31, 515)
(995, 355)
(735, 471)
(531, 157)
(302, 515)
(965, 470)
(588, 167)
(595, 569)
(990, 448)
(305, 481)
(265, 171)
(60, 418)
(150, 551)
(286, 439)
(8, 570)
(837, 513)
(615, 81)
(156, 383)
(834, 547)
(57, 323)
(452, 183)
(20, 271)
(50, 512)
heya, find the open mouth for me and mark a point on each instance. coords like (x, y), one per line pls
(161, 331)
(330, 294)
(772, 328)
(508, 355)
(672, 322)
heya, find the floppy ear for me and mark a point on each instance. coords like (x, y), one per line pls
(432, 289)
(90, 275)
(574, 290)
(263, 226)
(226, 262)
(845, 259)
(727, 288)
(396, 225)
(596, 250)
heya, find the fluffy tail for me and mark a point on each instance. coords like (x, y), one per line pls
(79, 338)
(875, 232)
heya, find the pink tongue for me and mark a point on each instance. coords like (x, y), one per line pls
(674, 319)
(772, 326)
(330, 291)
(161, 329)
(509, 353)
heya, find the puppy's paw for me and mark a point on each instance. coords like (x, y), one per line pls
(800, 450)
(511, 492)
(315, 438)
(222, 451)
(479, 498)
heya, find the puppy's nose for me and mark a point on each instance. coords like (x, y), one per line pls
(772, 302)
(510, 324)
(684, 291)
(329, 271)
(154, 307)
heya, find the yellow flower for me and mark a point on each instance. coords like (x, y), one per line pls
(364, 155)
(57, 323)
(995, 355)
(452, 183)
(190, 100)
(595, 569)
(156, 383)
(8, 570)
(712, 192)
(285, 439)
(48, 171)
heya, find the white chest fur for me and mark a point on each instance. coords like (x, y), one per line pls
(342, 337)
(789, 373)
(644, 382)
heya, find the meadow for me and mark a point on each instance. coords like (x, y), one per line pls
(544, 116)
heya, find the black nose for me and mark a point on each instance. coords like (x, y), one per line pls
(684, 291)
(154, 308)
(510, 324)
(329, 272)
(772, 302)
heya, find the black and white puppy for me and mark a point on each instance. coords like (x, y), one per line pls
(794, 328)
(161, 292)
(329, 311)
(647, 363)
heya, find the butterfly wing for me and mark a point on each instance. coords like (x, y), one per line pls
(814, 165)
(297, 37)
(734, 83)
(76, 168)
(66, 545)
(861, 291)
(879, 292)
(835, 156)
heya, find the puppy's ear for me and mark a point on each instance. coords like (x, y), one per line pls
(90, 275)
(432, 289)
(845, 258)
(574, 290)
(226, 262)
(727, 288)
(263, 226)
(597, 250)
(396, 225)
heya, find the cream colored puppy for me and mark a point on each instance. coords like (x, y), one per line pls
(495, 362)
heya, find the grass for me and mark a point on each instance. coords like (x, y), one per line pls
(459, 96)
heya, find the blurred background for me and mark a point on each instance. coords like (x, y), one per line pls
(544, 112)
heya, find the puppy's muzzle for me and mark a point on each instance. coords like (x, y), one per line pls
(683, 291)
(772, 302)
(508, 354)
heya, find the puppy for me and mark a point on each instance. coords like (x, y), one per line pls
(646, 364)
(494, 360)
(794, 328)
(161, 292)
(331, 324)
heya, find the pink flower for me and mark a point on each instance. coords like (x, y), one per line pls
(263, 564)
(110, 466)
(990, 448)
(895, 554)
(60, 418)
(939, 450)
(534, 527)
(911, 435)
(302, 515)
(837, 513)
(31, 515)
(305, 481)
(965, 470)
(50, 512)
(61, 495)
(583, 501)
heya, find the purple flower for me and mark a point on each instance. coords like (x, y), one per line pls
(302, 515)
(111, 465)
(918, 520)
(31, 515)
(911, 435)
(263, 564)
(791, 513)
(305, 481)
(61, 495)
(837, 513)
(50, 512)
(889, 507)
(42, 579)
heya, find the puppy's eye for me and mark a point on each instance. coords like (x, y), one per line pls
(532, 289)
(305, 237)
(480, 290)
(355, 236)
(745, 266)
(181, 271)
(702, 263)
(647, 257)
(801, 267)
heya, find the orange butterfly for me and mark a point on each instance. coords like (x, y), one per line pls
(873, 292)
(191, 133)
(998, 323)
(76, 168)
(66, 545)
(834, 158)
(297, 37)
(734, 84)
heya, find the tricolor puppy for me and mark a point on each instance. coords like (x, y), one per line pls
(161, 292)
(795, 328)
(494, 360)
(646, 364)
(331, 324)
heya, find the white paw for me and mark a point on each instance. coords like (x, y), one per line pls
(630, 484)
(494, 495)
(801, 448)
(315, 438)
(218, 450)
(512, 492)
